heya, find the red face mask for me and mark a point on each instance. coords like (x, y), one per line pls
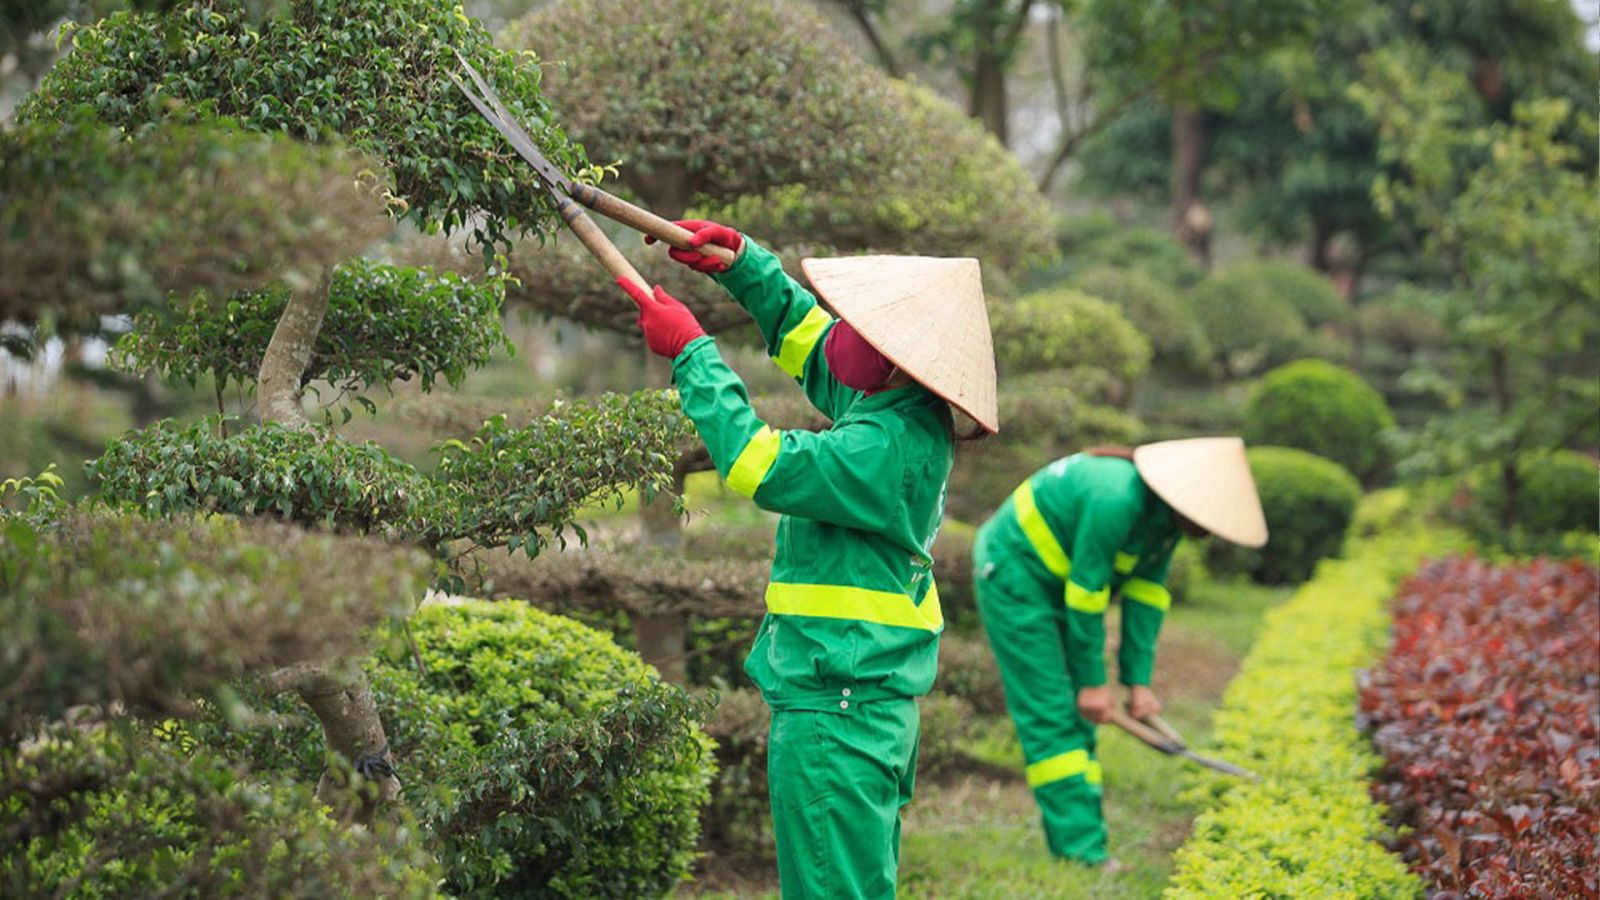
(854, 361)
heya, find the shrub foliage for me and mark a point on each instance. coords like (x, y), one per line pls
(1321, 408)
(1309, 503)
(1308, 828)
(1175, 335)
(1249, 325)
(1485, 711)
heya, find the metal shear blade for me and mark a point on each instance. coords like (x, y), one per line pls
(501, 119)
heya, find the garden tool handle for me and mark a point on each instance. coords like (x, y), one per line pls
(1143, 732)
(644, 221)
(1166, 731)
(598, 245)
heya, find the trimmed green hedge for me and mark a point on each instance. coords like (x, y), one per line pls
(1308, 828)
(1309, 503)
(1324, 409)
(1249, 325)
(1155, 309)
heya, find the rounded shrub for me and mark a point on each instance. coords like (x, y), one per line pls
(1311, 294)
(1309, 503)
(1155, 309)
(1250, 325)
(1100, 239)
(541, 759)
(1065, 329)
(1321, 408)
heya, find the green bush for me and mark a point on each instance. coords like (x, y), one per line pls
(1309, 502)
(1558, 494)
(1250, 325)
(541, 759)
(1308, 291)
(1099, 239)
(1308, 828)
(1066, 329)
(1324, 409)
(1156, 310)
(113, 812)
(738, 820)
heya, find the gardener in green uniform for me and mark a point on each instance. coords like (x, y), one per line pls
(1047, 563)
(852, 628)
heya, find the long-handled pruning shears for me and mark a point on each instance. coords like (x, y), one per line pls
(564, 191)
(1158, 734)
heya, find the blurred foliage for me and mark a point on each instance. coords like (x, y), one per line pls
(636, 579)
(1177, 341)
(510, 487)
(115, 812)
(384, 324)
(150, 615)
(1099, 239)
(1324, 409)
(1309, 503)
(32, 501)
(548, 762)
(369, 72)
(92, 224)
(738, 820)
(1249, 324)
(1066, 329)
(1311, 294)
(1506, 213)
(1557, 496)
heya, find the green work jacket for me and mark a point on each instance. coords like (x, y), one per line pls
(1089, 526)
(852, 611)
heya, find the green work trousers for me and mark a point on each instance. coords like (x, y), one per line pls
(837, 782)
(1025, 619)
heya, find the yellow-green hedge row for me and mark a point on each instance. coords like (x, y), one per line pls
(1308, 828)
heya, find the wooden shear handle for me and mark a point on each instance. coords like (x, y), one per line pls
(644, 221)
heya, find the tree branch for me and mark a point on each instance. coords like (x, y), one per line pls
(880, 48)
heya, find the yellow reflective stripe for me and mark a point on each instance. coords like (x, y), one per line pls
(754, 461)
(1147, 592)
(1126, 562)
(837, 601)
(797, 345)
(1063, 766)
(1038, 533)
(1086, 601)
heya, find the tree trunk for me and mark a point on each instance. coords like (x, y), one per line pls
(1191, 220)
(1510, 479)
(341, 699)
(662, 638)
(987, 102)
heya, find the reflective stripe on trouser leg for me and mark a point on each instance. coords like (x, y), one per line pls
(1025, 622)
(837, 782)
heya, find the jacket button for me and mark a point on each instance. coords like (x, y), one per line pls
(845, 692)
(844, 704)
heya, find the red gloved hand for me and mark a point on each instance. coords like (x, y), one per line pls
(668, 325)
(704, 233)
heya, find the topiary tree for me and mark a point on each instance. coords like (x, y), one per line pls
(1324, 409)
(1309, 503)
(1557, 497)
(1176, 339)
(1099, 239)
(370, 74)
(1249, 325)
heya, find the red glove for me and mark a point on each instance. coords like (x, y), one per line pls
(668, 325)
(704, 233)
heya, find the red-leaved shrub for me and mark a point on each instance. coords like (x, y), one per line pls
(1487, 711)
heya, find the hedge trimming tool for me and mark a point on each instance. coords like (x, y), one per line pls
(1155, 732)
(564, 191)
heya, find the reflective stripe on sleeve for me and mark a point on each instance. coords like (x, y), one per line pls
(1063, 766)
(801, 340)
(754, 461)
(1086, 601)
(836, 601)
(1038, 532)
(1147, 592)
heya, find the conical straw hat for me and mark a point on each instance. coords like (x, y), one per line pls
(926, 314)
(1208, 481)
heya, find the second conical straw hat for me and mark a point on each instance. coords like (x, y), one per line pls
(926, 314)
(1208, 481)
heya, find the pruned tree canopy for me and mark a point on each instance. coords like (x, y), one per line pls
(152, 615)
(92, 224)
(368, 72)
